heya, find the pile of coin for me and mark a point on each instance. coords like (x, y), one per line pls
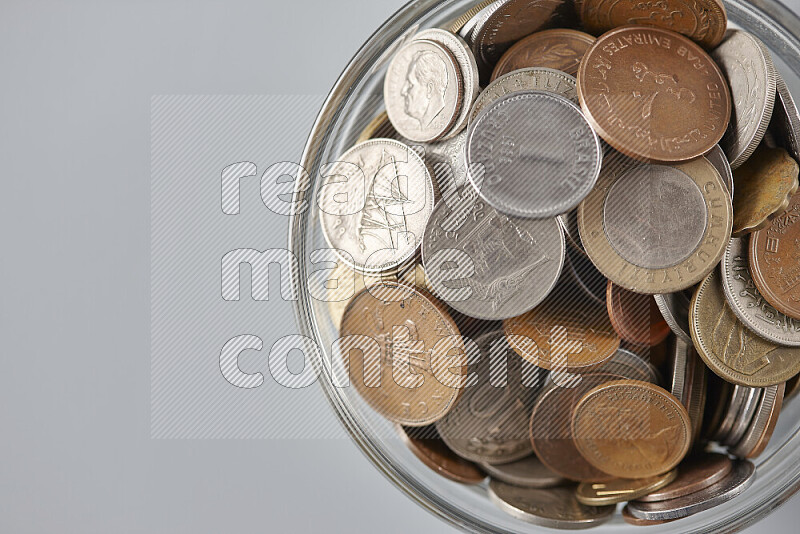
(575, 243)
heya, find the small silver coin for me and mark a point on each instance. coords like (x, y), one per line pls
(689, 382)
(466, 31)
(528, 79)
(674, 307)
(445, 160)
(529, 472)
(530, 169)
(720, 162)
(745, 416)
(738, 480)
(758, 426)
(739, 396)
(746, 63)
(785, 123)
(748, 304)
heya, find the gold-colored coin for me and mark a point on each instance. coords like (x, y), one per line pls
(621, 489)
(456, 25)
(764, 186)
(729, 348)
(632, 429)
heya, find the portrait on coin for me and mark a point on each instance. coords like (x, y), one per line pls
(425, 87)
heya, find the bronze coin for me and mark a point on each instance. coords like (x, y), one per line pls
(775, 261)
(635, 521)
(426, 445)
(694, 474)
(653, 94)
(559, 49)
(635, 317)
(621, 489)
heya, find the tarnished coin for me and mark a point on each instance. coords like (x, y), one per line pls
(762, 425)
(560, 49)
(653, 95)
(406, 356)
(490, 422)
(720, 162)
(785, 122)
(689, 383)
(656, 228)
(621, 489)
(530, 79)
(529, 472)
(747, 303)
(632, 429)
(635, 521)
(491, 266)
(445, 159)
(374, 204)
(426, 445)
(530, 170)
(379, 128)
(775, 261)
(729, 348)
(734, 484)
(694, 474)
(423, 90)
(635, 317)
(765, 184)
(674, 307)
(550, 508)
(703, 21)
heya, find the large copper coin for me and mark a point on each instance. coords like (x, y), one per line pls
(635, 317)
(775, 261)
(559, 49)
(632, 429)
(621, 489)
(406, 356)
(426, 445)
(703, 21)
(653, 94)
(694, 474)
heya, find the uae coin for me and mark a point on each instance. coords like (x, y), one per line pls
(775, 261)
(674, 308)
(635, 317)
(765, 183)
(702, 21)
(694, 474)
(423, 90)
(631, 429)
(372, 217)
(493, 266)
(379, 128)
(636, 522)
(745, 416)
(689, 383)
(729, 348)
(720, 162)
(529, 472)
(530, 79)
(445, 159)
(748, 67)
(763, 424)
(550, 508)
(405, 354)
(655, 228)
(426, 445)
(528, 169)
(653, 95)
(747, 303)
(785, 122)
(734, 484)
(621, 489)
(560, 49)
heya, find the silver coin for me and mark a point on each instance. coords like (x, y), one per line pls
(785, 123)
(423, 90)
(680, 370)
(738, 480)
(466, 31)
(469, 72)
(738, 397)
(529, 472)
(527, 79)
(531, 169)
(551, 508)
(569, 222)
(689, 382)
(716, 156)
(368, 212)
(748, 304)
(674, 307)
(747, 65)
(631, 366)
(446, 160)
(745, 416)
(771, 396)
(492, 266)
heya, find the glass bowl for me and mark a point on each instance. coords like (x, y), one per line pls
(354, 101)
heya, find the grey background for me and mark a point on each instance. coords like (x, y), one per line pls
(76, 450)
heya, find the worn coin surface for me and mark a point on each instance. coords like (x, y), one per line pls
(551, 508)
(372, 217)
(423, 90)
(762, 425)
(765, 183)
(621, 489)
(653, 94)
(529, 169)
(406, 357)
(720, 162)
(729, 348)
(635, 317)
(674, 307)
(529, 79)
(559, 48)
(493, 266)
(529, 472)
(748, 67)
(631, 429)
(426, 445)
(747, 303)
(703, 21)
(694, 474)
(656, 228)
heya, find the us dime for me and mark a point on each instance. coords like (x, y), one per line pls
(528, 79)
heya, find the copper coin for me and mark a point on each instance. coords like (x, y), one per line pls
(621, 489)
(405, 353)
(635, 521)
(559, 49)
(631, 429)
(763, 424)
(653, 94)
(694, 474)
(635, 317)
(426, 445)
(775, 261)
